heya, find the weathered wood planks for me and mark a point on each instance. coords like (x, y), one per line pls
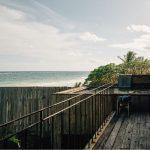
(18, 101)
(110, 142)
(132, 133)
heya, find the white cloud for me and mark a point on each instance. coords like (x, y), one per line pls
(87, 36)
(141, 44)
(139, 28)
(35, 44)
(6, 14)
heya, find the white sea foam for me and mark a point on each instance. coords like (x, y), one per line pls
(26, 79)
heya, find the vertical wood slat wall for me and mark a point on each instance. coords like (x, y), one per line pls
(18, 101)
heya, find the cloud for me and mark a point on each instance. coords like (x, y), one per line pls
(141, 43)
(33, 44)
(38, 12)
(10, 14)
(87, 36)
(138, 28)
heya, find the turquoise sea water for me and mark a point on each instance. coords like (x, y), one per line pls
(42, 78)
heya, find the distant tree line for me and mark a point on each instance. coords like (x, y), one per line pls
(131, 64)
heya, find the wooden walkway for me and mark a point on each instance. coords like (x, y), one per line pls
(127, 133)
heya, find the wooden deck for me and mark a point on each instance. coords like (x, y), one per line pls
(127, 133)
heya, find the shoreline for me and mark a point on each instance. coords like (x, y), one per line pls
(42, 79)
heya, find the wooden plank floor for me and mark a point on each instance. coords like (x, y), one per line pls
(127, 133)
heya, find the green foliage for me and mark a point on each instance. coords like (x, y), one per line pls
(103, 74)
(14, 140)
(109, 73)
(77, 84)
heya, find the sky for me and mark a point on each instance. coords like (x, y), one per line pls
(71, 35)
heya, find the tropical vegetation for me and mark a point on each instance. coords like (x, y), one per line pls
(131, 64)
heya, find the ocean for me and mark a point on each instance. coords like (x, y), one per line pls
(42, 78)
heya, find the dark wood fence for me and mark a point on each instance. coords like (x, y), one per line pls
(70, 123)
(19, 101)
(140, 102)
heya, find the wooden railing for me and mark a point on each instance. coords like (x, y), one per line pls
(72, 123)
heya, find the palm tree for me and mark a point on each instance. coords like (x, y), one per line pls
(128, 66)
(129, 57)
(109, 73)
(134, 65)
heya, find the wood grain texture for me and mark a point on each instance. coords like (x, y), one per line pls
(132, 133)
